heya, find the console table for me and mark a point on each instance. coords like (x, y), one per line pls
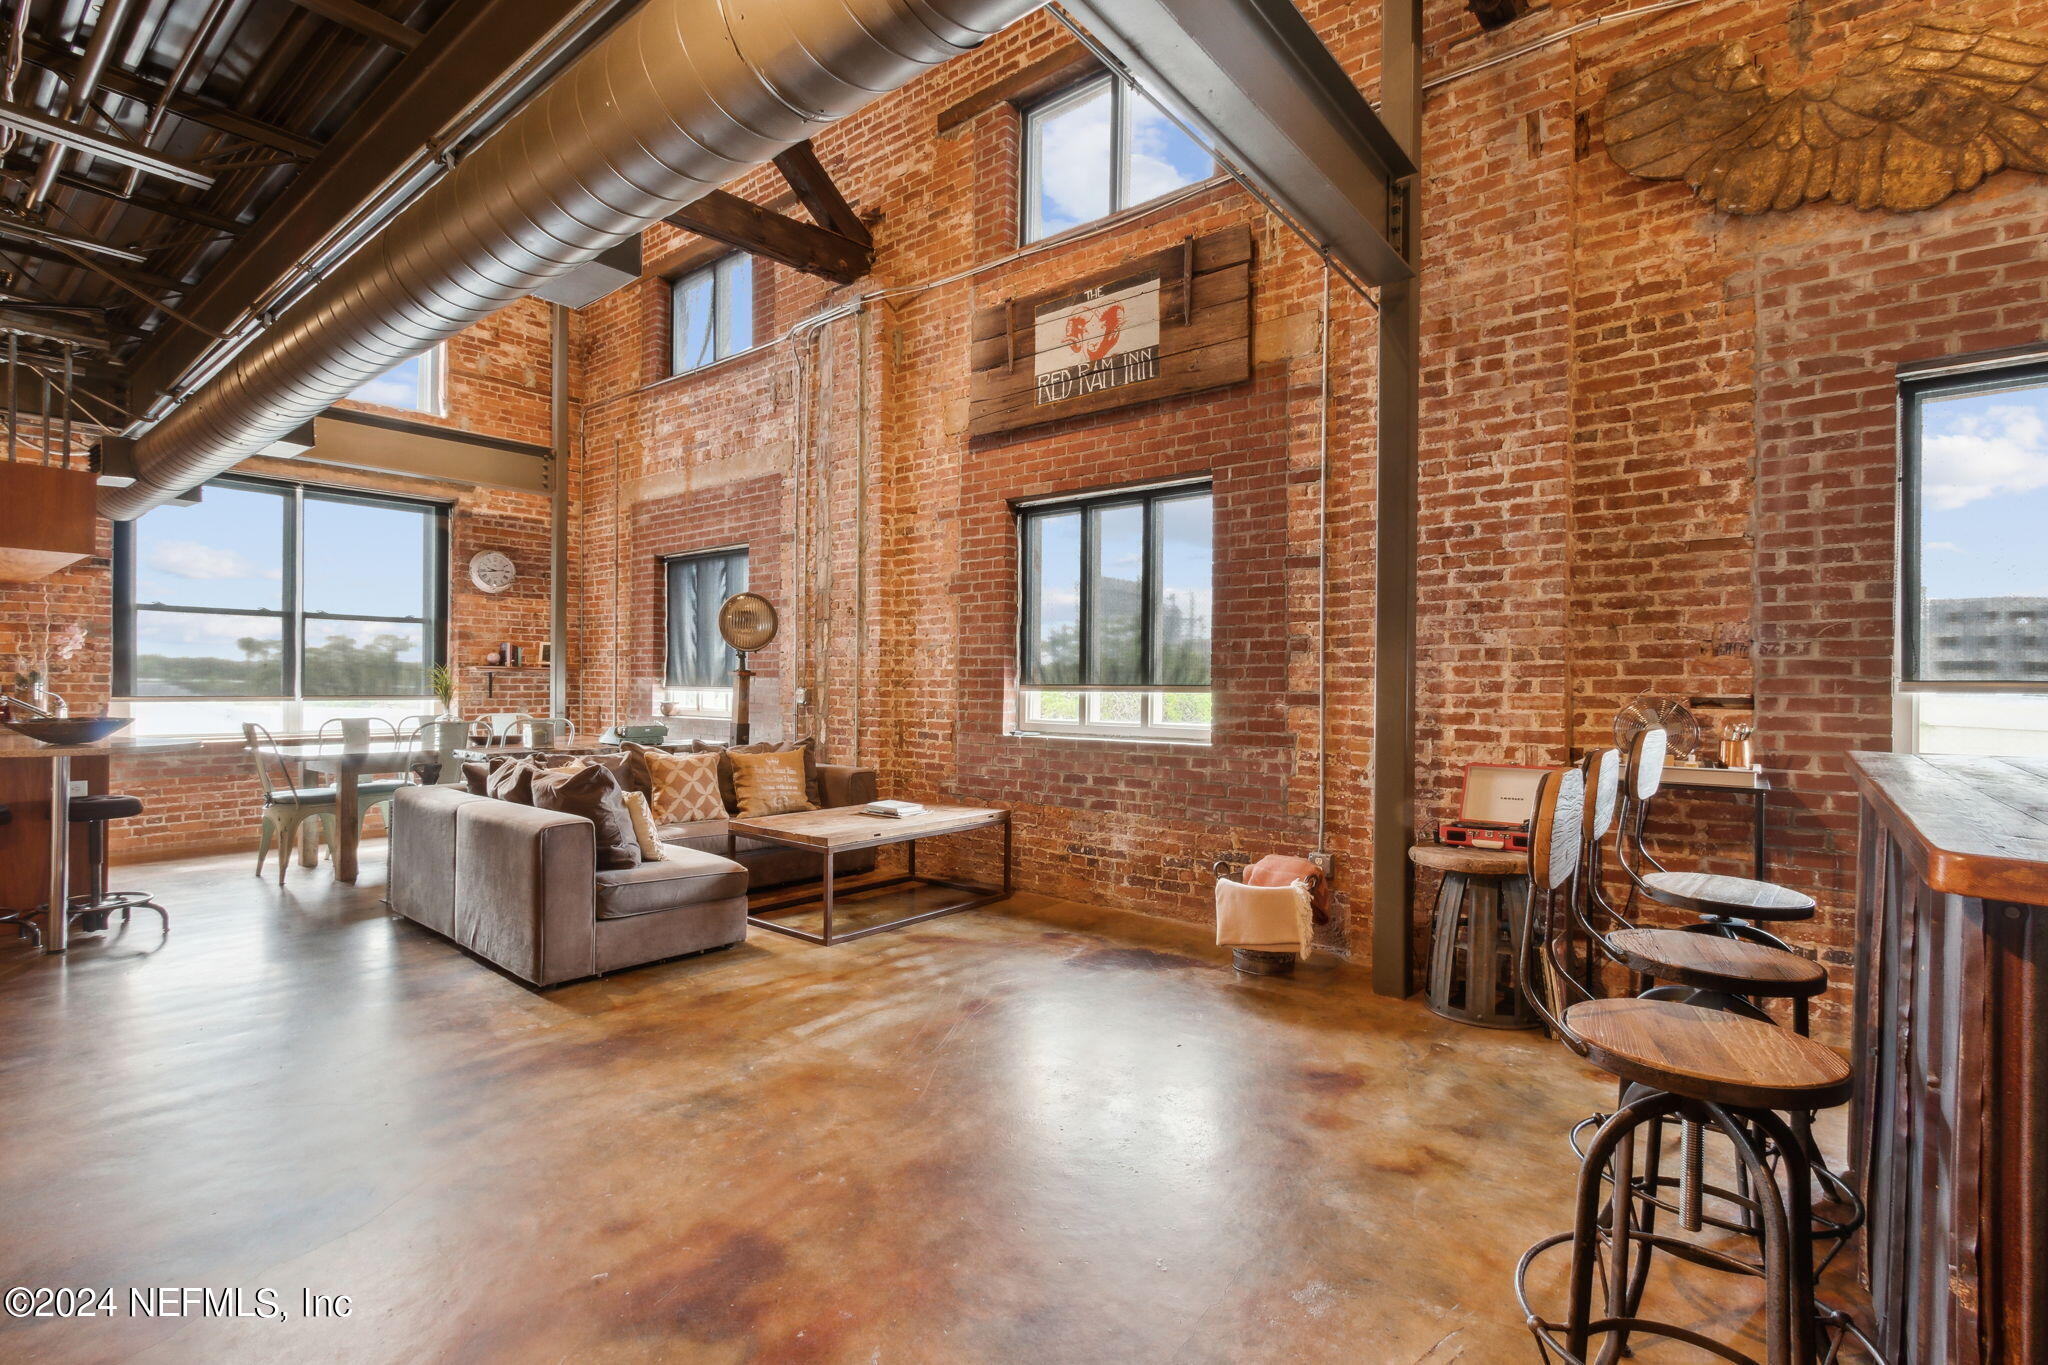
(1949, 1126)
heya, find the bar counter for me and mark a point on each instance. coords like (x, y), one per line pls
(1950, 1121)
(38, 864)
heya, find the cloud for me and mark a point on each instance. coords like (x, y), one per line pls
(1947, 546)
(190, 559)
(212, 636)
(1986, 452)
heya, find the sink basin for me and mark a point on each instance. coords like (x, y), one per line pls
(70, 729)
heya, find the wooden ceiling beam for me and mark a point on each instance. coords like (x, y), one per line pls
(821, 198)
(777, 237)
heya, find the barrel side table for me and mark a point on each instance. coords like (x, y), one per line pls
(1477, 935)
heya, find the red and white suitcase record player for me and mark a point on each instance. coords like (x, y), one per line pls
(1496, 807)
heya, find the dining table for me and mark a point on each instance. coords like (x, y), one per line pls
(344, 768)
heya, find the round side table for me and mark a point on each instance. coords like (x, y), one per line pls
(1477, 936)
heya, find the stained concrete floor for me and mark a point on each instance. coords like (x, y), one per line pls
(1037, 1132)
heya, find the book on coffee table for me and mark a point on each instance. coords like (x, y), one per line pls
(893, 810)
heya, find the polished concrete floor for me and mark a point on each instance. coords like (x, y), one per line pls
(1037, 1132)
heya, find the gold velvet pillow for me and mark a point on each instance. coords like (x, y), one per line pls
(682, 787)
(769, 784)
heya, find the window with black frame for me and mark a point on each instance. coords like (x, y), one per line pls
(700, 663)
(280, 603)
(1974, 571)
(1115, 613)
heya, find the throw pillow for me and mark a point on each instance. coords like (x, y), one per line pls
(477, 777)
(780, 746)
(685, 786)
(513, 781)
(643, 828)
(593, 793)
(770, 784)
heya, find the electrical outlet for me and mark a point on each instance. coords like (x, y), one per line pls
(79, 787)
(1324, 864)
(803, 696)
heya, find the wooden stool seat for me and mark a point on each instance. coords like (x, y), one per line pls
(1710, 1055)
(1471, 862)
(1708, 893)
(1713, 963)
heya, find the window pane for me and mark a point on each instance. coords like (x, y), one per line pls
(158, 718)
(1983, 560)
(1163, 158)
(1072, 156)
(1182, 610)
(1117, 620)
(735, 304)
(404, 385)
(697, 587)
(190, 654)
(365, 560)
(691, 337)
(1982, 723)
(224, 551)
(1053, 545)
(1116, 708)
(1186, 708)
(363, 659)
(1053, 706)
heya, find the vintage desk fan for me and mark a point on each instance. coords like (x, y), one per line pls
(747, 621)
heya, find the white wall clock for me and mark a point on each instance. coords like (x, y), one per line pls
(492, 571)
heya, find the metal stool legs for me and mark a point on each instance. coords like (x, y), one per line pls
(1615, 1233)
(92, 910)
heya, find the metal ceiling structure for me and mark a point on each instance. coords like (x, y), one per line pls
(174, 172)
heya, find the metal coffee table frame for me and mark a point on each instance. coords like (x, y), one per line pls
(980, 895)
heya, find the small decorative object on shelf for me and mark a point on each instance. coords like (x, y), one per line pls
(492, 659)
(546, 652)
(1735, 746)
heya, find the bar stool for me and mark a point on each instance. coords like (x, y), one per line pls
(1728, 906)
(1704, 969)
(1709, 1067)
(91, 910)
(1482, 911)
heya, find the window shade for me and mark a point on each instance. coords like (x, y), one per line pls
(697, 587)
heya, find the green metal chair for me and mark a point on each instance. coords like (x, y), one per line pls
(358, 734)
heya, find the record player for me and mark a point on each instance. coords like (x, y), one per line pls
(1495, 808)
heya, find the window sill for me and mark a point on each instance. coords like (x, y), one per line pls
(1153, 741)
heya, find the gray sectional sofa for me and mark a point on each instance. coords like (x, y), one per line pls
(519, 886)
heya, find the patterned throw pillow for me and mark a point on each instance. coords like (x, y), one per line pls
(685, 787)
(770, 784)
(643, 828)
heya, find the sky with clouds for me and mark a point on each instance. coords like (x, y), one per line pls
(1984, 494)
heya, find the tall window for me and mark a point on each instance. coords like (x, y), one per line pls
(1098, 149)
(1974, 582)
(415, 384)
(712, 313)
(700, 664)
(278, 603)
(1114, 621)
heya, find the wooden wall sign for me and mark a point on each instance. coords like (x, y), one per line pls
(1175, 322)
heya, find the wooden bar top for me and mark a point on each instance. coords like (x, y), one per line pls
(1970, 826)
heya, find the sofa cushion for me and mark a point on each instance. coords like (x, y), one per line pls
(684, 876)
(684, 787)
(725, 768)
(594, 793)
(476, 777)
(770, 784)
(643, 826)
(512, 780)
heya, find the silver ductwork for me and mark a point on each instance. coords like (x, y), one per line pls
(679, 99)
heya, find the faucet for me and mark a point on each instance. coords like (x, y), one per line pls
(58, 706)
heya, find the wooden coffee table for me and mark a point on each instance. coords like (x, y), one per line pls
(844, 829)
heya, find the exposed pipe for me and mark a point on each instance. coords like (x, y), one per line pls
(78, 94)
(682, 97)
(558, 511)
(202, 35)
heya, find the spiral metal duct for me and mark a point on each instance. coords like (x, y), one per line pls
(679, 99)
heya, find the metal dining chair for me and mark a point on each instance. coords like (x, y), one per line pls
(286, 805)
(360, 734)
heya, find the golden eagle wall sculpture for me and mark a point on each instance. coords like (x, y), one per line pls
(1924, 112)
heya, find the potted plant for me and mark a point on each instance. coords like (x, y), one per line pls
(441, 679)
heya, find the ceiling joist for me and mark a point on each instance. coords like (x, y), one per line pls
(218, 117)
(352, 14)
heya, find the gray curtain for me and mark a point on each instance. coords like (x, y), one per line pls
(697, 586)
